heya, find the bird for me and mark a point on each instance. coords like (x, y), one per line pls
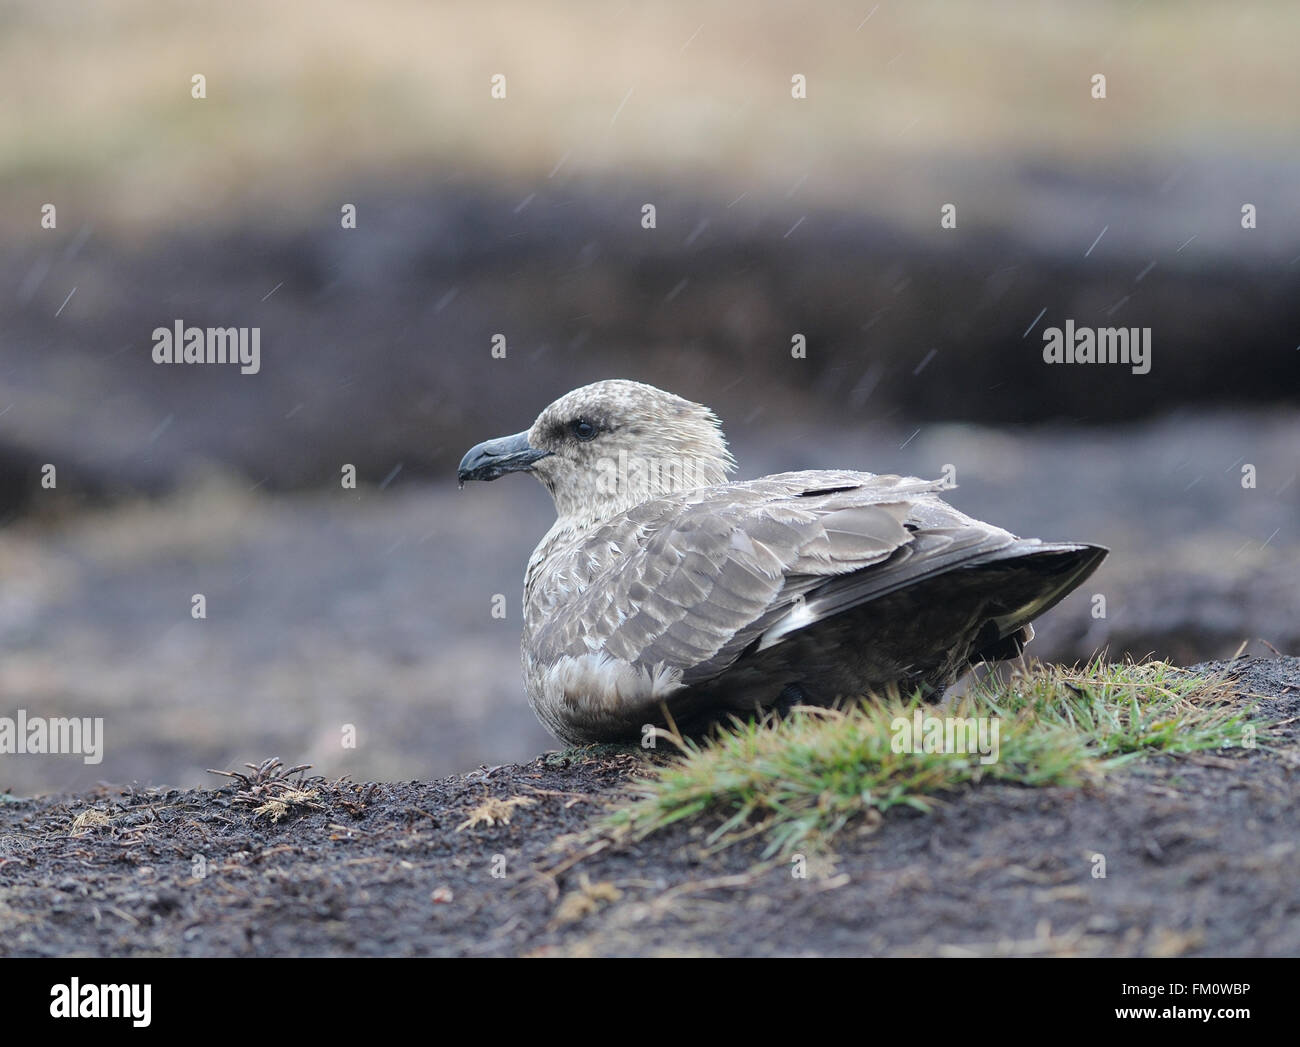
(667, 595)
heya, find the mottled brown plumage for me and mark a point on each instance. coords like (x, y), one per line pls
(662, 586)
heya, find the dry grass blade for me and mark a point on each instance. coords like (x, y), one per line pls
(272, 792)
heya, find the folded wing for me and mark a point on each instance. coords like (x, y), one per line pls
(689, 583)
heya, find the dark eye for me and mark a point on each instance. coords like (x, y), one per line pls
(582, 429)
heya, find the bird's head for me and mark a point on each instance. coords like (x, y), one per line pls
(606, 447)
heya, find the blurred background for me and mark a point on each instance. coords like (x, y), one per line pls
(522, 216)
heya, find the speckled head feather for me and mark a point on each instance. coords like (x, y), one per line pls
(664, 591)
(612, 445)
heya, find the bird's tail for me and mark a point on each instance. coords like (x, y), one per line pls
(1024, 580)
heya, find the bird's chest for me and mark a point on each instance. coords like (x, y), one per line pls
(562, 585)
(552, 594)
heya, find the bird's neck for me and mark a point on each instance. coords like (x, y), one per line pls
(621, 483)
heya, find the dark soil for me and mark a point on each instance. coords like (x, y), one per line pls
(1200, 857)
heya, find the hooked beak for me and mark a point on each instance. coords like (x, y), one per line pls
(493, 458)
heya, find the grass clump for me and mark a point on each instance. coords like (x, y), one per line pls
(802, 780)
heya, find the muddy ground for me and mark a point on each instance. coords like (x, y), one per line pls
(1200, 856)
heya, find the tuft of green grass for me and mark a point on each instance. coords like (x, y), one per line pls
(1128, 710)
(801, 780)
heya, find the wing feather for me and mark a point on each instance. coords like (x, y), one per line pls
(688, 582)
